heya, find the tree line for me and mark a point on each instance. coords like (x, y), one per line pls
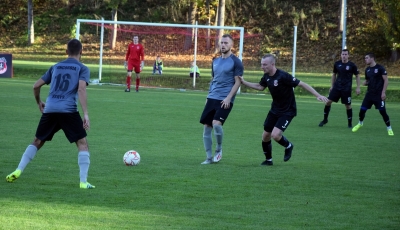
(370, 22)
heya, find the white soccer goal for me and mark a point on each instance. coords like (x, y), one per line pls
(178, 44)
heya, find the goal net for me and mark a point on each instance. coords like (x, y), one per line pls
(178, 45)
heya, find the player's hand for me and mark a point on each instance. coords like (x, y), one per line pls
(125, 64)
(226, 103)
(358, 91)
(41, 106)
(383, 96)
(86, 122)
(322, 98)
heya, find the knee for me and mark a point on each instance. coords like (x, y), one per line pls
(82, 145)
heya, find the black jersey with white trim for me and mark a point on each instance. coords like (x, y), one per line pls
(281, 85)
(344, 75)
(374, 77)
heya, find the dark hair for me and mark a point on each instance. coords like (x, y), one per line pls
(227, 36)
(371, 55)
(74, 47)
(346, 50)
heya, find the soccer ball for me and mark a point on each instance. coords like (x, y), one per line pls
(131, 158)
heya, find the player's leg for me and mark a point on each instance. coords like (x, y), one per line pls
(381, 106)
(346, 100)
(334, 96)
(45, 131)
(72, 125)
(27, 156)
(129, 76)
(206, 119)
(266, 143)
(277, 134)
(84, 163)
(154, 68)
(218, 121)
(160, 69)
(137, 72)
(366, 104)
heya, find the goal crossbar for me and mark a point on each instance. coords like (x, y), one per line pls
(196, 26)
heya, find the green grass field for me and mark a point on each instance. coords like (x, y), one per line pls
(336, 179)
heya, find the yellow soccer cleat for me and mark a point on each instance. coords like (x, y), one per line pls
(357, 127)
(86, 185)
(13, 176)
(390, 132)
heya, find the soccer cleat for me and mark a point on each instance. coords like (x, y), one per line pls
(13, 176)
(137, 91)
(288, 153)
(357, 127)
(390, 132)
(207, 161)
(322, 123)
(350, 126)
(86, 185)
(127, 90)
(218, 156)
(267, 162)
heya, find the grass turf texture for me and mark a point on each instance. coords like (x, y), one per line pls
(335, 179)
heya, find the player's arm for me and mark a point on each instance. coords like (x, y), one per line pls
(83, 101)
(385, 84)
(127, 57)
(256, 86)
(142, 58)
(36, 92)
(313, 91)
(333, 79)
(226, 103)
(358, 84)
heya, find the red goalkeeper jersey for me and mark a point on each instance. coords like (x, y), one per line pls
(135, 53)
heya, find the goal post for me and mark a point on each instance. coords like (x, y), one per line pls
(132, 27)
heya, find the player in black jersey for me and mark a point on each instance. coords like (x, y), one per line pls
(283, 108)
(377, 81)
(342, 79)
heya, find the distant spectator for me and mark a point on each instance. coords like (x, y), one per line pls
(158, 65)
(194, 69)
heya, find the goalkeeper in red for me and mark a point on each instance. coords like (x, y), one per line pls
(134, 60)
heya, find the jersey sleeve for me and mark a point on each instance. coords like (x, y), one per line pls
(47, 76)
(290, 80)
(263, 82)
(128, 50)
(355, 70)
(142, 53)
(238, 69)
(334, 69)
(84, 74)
(382, 70)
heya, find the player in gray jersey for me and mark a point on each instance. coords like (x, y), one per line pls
(68, 80)
(377, 81)
(223, 87)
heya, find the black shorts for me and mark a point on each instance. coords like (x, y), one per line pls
(376, 100)
(213, 111)
(345, 96)
(273, 120)
(70, 123)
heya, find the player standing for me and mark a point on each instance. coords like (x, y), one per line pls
(283, 108)
(68, 79)
(342, 79)
(377, 81)
(223, 87)
(134, 60)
